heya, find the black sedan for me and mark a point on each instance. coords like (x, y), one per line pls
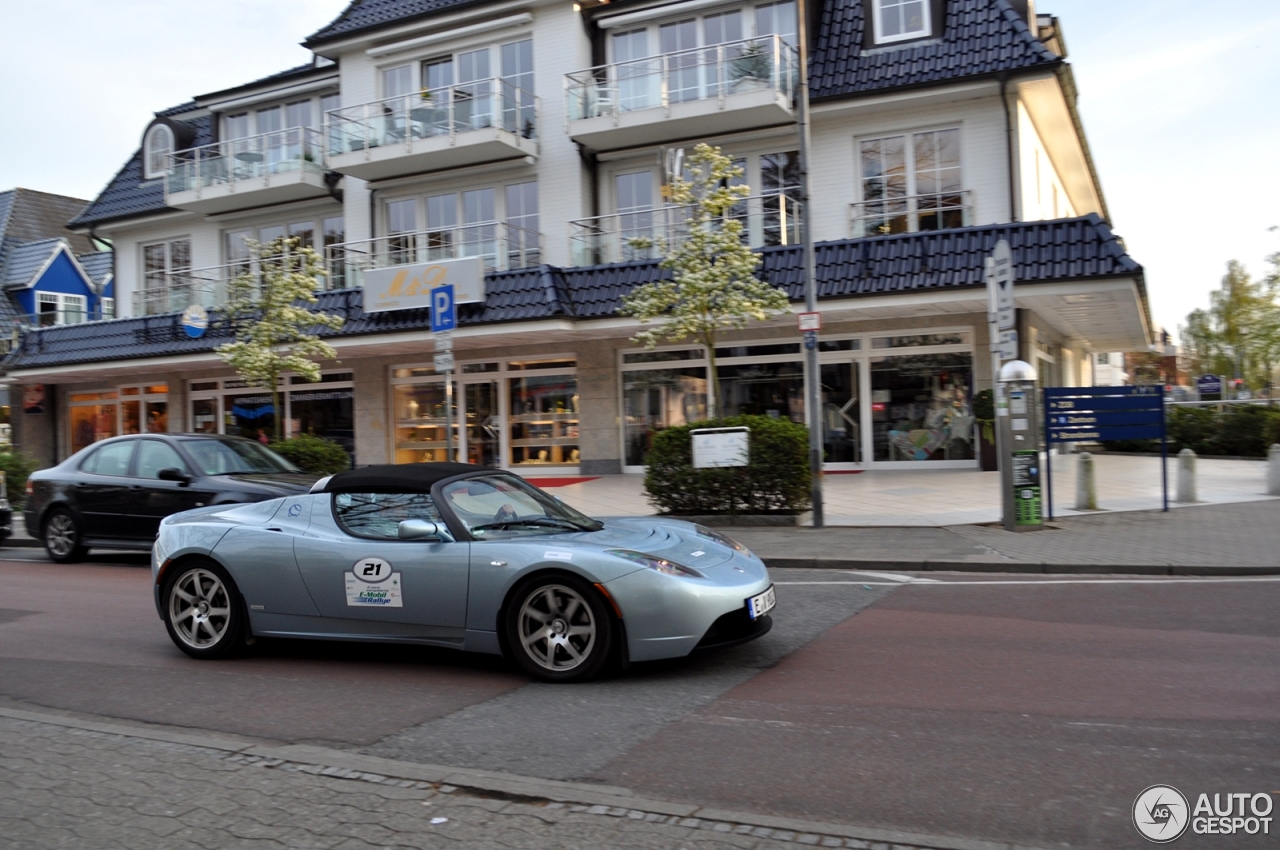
(113, 494)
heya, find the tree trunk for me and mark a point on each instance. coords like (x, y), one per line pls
(713, 395)
(277, 414)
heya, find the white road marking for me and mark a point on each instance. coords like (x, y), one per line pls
(891, 576)
(1152, 580)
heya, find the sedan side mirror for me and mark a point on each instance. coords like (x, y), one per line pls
(172, 473)
(421, 529)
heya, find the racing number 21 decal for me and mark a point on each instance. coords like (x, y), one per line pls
(372, 584)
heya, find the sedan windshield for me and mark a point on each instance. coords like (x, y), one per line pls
(229, 457)
(502, 506)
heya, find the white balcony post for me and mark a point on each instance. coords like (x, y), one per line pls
(722, 73)
(665, 85)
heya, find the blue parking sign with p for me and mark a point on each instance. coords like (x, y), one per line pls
(444, 313)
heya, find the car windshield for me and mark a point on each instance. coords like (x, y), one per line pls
(503, 506)
(228, 457)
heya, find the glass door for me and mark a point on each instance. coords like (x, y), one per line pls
(841, 413)
(482, 423)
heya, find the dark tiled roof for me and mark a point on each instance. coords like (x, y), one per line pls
(128, 194)
(28, 216)
(306, 70)
(97, 265)
(981, 37)
(1043, 251)
(23, 261)
(371, 14)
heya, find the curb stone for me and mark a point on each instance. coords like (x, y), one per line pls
(602, 800)
(1012, 567)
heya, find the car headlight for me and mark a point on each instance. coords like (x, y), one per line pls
(662, 565)
(722, 539)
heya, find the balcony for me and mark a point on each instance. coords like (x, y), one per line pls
(468, 124)
(271, 168)
(175, 292)
(767, 220)
(501, 246)
(911, 214)
(713, 90)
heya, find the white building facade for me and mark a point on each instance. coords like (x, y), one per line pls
(537, 137)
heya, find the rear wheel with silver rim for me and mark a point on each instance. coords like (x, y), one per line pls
(202, 610)
(559, 629)
(62, 537)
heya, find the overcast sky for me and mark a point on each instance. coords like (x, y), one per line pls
(1178, 99)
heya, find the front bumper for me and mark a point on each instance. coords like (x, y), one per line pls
(667, 617)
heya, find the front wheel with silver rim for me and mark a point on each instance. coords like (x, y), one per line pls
(62, 537)
(202, 610)
(559, 629)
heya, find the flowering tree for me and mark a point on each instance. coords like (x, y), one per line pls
(713, 286)
(274, 329)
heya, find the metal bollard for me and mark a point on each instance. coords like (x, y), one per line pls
(1186, 476)
(1086, 484)
(1273, 470)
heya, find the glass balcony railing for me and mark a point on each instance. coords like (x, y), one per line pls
(911, 214)
(767, 220)
(705, 73)
(501, 246)
(254, 157)
(430, 113)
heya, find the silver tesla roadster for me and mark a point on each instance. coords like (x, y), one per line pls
(459, 556)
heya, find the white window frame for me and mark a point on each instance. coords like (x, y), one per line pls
(880, 38)
(107, 308)
(149, 151)
(61, 301)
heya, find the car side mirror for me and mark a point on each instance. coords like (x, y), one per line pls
(421, 529)
(172, 473)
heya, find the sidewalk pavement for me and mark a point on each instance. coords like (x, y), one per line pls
(1223, 539)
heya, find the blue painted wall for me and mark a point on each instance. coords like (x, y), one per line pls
(61, 276)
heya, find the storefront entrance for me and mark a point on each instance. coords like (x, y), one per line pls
(483, 435)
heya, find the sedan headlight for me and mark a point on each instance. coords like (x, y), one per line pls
(722, 539)
(662, 565)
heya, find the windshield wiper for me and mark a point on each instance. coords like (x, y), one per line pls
(543, 521)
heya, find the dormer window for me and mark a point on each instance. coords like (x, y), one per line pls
(899, 20)
(156, 149)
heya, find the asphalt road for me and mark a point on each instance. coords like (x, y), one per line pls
(1021, 709)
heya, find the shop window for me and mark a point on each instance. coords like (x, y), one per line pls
(523, 365)
(544, 419)
(204, 415)
(144, 408)
(93, 417)
(921, 407)
(252, 416)
(759, 350)
(656, 399)
(420, 423)
(327, 413)
(917, 340)
(662, 356)
(763, 389)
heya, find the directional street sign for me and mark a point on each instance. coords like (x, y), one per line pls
(443, 361)
(1005, 344)
(444, 312)
(1093, 414)
(1000, 284)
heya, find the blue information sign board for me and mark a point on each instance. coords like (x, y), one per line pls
(1092, 414)
(444, 310)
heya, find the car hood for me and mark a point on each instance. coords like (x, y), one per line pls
(277, 483)
(670, 539)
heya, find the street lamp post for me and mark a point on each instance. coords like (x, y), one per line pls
(812, 374)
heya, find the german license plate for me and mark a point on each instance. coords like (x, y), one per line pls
(758, 606)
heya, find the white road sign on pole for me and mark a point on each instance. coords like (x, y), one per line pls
(1000, 285)
(444, 341)
(443, 361)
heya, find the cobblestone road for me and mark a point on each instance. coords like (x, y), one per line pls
(66, 787)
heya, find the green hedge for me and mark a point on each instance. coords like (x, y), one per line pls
(775, 481)
(17, 465)
(1245, 430)
(313, 454)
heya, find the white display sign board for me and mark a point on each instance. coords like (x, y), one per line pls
(443, 361)
(715, 447)
(406, 287)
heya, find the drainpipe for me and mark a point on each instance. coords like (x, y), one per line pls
(1008, 142)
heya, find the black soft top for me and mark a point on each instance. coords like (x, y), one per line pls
(396, 478)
